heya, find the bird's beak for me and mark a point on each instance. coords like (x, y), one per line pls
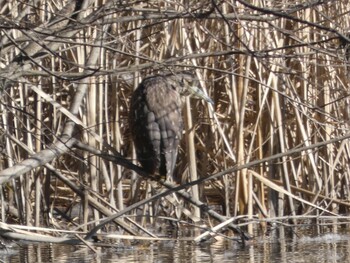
(199, 94)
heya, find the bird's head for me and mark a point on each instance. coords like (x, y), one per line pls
(186, 84)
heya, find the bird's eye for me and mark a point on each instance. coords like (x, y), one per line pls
(183, 82)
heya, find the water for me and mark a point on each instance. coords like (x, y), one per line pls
(279, 246)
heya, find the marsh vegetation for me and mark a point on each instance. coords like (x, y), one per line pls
(274, 147)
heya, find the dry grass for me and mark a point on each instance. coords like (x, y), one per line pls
(277, 73)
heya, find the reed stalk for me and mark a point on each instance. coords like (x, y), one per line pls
(278, 73)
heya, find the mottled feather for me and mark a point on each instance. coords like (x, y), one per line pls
(156, 123)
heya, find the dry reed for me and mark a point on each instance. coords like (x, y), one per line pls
(276, 70)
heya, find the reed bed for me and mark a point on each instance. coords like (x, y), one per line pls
(273, 148)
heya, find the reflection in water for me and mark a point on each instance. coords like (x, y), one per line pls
(279, 246)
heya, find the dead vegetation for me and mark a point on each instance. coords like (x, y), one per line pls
(274, 148)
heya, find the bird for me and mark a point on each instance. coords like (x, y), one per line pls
(155, 119)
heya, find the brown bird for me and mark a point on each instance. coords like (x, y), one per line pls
(155, 119)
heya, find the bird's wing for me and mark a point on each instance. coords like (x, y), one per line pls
(170, 125)
(145, 132)
(157, 126)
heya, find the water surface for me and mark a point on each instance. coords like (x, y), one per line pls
(278, 246)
